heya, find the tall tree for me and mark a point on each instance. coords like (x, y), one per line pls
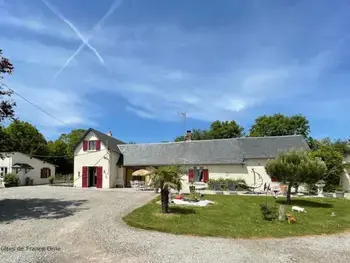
(5, 142)
(279, 125)
(296, 167)
(217, 130)
(26, 138)
(341, 146)
(313, 143)
(334, 162)
(6, 104)
(225, 130)
(58, 156)
(62, 150)
(71, 139)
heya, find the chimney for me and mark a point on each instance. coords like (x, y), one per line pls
(188, 136)
(109, 133)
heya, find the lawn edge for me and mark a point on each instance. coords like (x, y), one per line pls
(138, 226)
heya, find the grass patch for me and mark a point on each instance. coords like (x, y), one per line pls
(241, 217)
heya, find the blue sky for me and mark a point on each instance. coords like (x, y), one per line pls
(148, 60)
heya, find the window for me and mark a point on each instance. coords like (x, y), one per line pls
(92, 146)
(3, 171)
(45, 173)
(198, 174)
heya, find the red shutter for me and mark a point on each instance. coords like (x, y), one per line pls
(98, 145)
(99, 177)
(85, 145)
(190, 175)
(205, 175)
(85, 177)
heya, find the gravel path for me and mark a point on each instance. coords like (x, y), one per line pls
(84, 225)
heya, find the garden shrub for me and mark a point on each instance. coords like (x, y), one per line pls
(269, 213)
(335, 167)
(240, 183)
(11, 179)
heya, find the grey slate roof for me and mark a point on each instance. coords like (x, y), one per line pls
(109, 141)
(104, 138)
(269, 147)
(224, 151)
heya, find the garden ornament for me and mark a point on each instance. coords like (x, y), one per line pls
(298, 209)
(291, 218)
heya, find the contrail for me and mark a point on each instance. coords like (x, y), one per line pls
(85, 41)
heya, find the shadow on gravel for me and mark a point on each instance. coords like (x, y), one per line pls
(35, 208)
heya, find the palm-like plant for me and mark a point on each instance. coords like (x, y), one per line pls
(166, 178)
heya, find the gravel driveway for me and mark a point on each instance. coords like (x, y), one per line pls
(56, 224)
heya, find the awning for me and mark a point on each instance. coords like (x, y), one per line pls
(22, 165)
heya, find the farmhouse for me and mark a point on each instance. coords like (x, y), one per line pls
(102, 161)
(29, 170)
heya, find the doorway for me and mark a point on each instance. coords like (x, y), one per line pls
(92, 175)
(128, 177)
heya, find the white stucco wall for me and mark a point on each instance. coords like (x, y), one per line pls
(113, 168)
(32, 174)
(235, 171)
(91, 158)
(120, 176)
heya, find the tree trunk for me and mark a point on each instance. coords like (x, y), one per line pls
(165, 200)
(289, 190)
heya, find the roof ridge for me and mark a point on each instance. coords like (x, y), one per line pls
(32, 156)
(270, 137)
(192, 141)
(211, 140)
(101, 133)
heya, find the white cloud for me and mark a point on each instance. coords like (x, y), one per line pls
(35, 52)
(161, 70)
(37, 24)
(66, 106)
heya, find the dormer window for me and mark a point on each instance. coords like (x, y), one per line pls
(92, 146)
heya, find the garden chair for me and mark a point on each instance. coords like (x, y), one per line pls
(141, 186)
(134, 184)
(232, 189)
(218, 189)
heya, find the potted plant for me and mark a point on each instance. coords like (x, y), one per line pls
(51, 179)
(11, 180)
(192, 188)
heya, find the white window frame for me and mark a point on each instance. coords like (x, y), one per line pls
(3, 171)
(92, 145)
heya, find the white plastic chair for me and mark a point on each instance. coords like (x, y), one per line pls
(133, 184)
(141, 185)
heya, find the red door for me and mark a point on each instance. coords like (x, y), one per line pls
(190, 175)
(205, 175)
(99, 177)
(85, 177)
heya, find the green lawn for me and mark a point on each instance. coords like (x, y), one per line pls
(241, 217)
